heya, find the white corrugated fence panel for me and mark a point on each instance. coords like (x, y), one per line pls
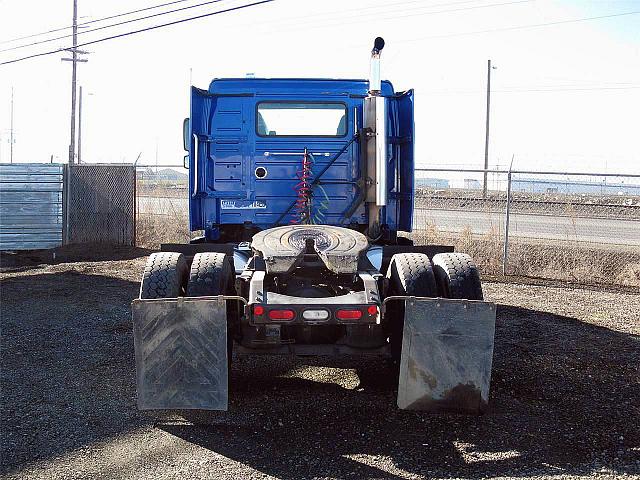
(31, 206)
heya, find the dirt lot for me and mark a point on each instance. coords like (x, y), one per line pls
(565, 397)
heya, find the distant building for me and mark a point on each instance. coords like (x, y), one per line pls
(540, 185)
(439, 183)
(471, 184)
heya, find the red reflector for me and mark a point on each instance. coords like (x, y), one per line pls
(372, 310)
(281, 314)
(258, 310)
(348, 314)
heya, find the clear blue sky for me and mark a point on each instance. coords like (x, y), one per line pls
(566, 96)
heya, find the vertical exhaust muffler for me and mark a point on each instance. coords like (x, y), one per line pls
(375, 120)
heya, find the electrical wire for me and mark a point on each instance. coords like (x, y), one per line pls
(84, 32)
(92, 21)
(579, 89)
(393, 17)
(323, 205)
(133, 32)
(542, 88)
(340, 14)
(517, 27)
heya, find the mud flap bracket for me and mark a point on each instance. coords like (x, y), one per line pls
(447, 352)
(181, 353)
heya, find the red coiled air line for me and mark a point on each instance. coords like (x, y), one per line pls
(302, 207)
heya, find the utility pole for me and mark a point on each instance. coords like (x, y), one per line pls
(486, 138)
(74, 67)
(80, 126)
(11, 135)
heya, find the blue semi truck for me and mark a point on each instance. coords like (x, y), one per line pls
(302, 189)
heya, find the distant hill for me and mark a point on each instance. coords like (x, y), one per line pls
(164, 174)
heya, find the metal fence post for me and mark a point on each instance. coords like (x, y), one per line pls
(135, 205)
(66, 182)
(505, 253)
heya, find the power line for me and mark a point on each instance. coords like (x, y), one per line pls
(341, 13)
(92, 21)
(382, 16)
(578, 89)
(525, 90)
(175, 22)
(112, 25)
(517, 27)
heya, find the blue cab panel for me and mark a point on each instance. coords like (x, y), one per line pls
(247, 140)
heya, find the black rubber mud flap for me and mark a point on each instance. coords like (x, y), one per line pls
(181, 353)
(447, 352)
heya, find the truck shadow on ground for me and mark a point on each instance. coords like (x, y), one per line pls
(562, 400)
(565, 396)
(68, 377)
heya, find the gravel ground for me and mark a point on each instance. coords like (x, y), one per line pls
(565, 394)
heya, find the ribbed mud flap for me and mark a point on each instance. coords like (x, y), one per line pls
(181, 353)
(447, 350)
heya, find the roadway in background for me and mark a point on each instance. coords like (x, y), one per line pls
(535, 226)
(530, 225)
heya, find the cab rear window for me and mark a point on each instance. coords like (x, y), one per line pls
(301, 119)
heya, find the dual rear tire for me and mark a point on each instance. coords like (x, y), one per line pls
(447, 275)
(167, 275)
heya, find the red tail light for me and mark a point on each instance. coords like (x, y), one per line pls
(348, 314)
(372, 310)
(258, 310)
(281, 314)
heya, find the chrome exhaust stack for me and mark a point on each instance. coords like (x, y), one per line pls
(375, 120)
(374, 67)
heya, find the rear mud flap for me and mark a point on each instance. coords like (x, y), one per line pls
(447, 351)
(181, 353)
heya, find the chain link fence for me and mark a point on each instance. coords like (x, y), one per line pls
(162, 206)
(99, 204)
(571, 227)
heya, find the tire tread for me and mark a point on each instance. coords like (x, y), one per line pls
(210, 274)
(164, 275)
(457, 276)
